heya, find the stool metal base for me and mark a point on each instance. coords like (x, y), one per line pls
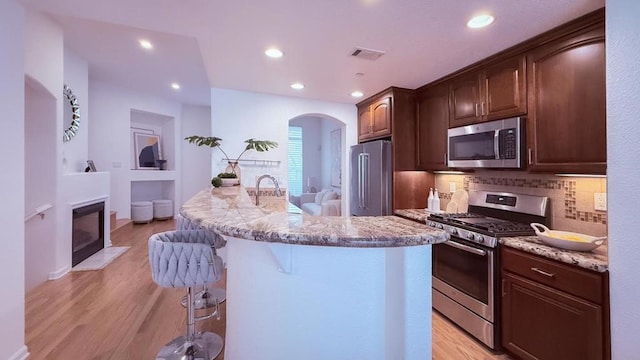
(205, 346)
(207, 301)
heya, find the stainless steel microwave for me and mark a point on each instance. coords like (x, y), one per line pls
(493, 144)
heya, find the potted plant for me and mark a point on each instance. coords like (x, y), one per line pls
(214, 142)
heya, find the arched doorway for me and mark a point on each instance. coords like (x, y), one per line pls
(316, 149)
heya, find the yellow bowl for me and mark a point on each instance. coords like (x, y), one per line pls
(567, 240)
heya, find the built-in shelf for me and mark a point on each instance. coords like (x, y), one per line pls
(152, 175)
(256, 162)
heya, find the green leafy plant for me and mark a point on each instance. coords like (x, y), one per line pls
(214, 142)
(225, 175)
(216, 182)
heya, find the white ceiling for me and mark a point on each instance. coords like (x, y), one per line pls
(207, 43)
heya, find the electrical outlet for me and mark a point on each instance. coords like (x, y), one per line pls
(116, 165)
(452, 187)
(600, 201)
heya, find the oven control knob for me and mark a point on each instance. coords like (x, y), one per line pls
(470, 236)
(440, 226)
(453, 231)
(480, 239)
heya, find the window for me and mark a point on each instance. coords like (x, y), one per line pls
(295, 160)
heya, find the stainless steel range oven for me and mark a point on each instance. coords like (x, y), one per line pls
(465, 268)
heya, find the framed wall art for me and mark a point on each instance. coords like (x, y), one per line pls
(147, 151)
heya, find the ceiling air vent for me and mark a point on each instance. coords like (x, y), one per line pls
(368, 54)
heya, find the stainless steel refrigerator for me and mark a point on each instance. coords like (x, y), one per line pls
(371, 172)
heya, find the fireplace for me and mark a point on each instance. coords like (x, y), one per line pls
(88, 232)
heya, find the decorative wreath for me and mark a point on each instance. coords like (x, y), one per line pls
(70, 97)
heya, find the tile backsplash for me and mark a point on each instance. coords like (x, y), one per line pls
(571, 198)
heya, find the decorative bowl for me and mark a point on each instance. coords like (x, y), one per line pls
(567, 240)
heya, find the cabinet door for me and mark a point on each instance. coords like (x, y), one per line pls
(381, 117)
(567, 118)
(505, 89)
(465, 100)
(542, 323)
(364, 123)
(433, 122)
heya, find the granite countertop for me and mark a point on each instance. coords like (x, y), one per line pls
(231, 211)
(595, 260)
(419, 215)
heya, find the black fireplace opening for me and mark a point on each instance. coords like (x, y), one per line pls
(87, 232)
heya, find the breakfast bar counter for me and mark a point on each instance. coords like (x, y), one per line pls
(312, 287)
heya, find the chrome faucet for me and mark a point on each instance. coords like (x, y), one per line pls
(275, 182)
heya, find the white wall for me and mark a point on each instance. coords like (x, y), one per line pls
(196, 160)
(75, 153)
(239, 115)
(12, 69)
(40, 182)
(110, 146)
(623, 107)
(44, 66)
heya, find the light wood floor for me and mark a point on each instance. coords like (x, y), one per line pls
(120, 313)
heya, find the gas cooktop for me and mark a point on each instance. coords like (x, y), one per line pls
(484, 224)
(493, 215)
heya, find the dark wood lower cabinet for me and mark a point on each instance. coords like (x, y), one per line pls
(552, 310)
(540, 322)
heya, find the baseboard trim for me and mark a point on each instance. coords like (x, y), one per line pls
(21, 354)
(60, 273)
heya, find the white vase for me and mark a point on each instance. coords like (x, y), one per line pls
(230, 182)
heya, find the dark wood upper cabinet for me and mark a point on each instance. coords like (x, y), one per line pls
(391, 114)
(465, 100)
(496, 91)
(505, 89)
(567, 108)
(433, 122)
(374, 119)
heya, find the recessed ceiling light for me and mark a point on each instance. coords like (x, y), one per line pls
(297, 86)
(480, 21)
(274, 53)
(175, 86)
(357, 94)
(146, 44)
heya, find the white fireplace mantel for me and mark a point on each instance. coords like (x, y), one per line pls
(77, 190)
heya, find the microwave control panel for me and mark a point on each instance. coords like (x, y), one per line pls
(508, 143)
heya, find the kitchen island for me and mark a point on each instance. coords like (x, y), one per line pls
(307, 287)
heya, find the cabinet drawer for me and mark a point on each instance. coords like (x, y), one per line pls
(582, 283)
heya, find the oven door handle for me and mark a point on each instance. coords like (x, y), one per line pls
(466, 248)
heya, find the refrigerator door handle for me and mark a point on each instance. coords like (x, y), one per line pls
(365, 180)
(360, 181)
(360, 175)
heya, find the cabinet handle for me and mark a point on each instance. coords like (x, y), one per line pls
(476, 109)
(445, 158)
(542, 272)
(530, 161)
(482, 108)
(504, 288)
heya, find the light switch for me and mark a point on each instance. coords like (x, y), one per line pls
(600, 201)
(452, 187)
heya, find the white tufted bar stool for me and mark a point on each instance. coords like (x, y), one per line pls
(185, 259)
(206, 298)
